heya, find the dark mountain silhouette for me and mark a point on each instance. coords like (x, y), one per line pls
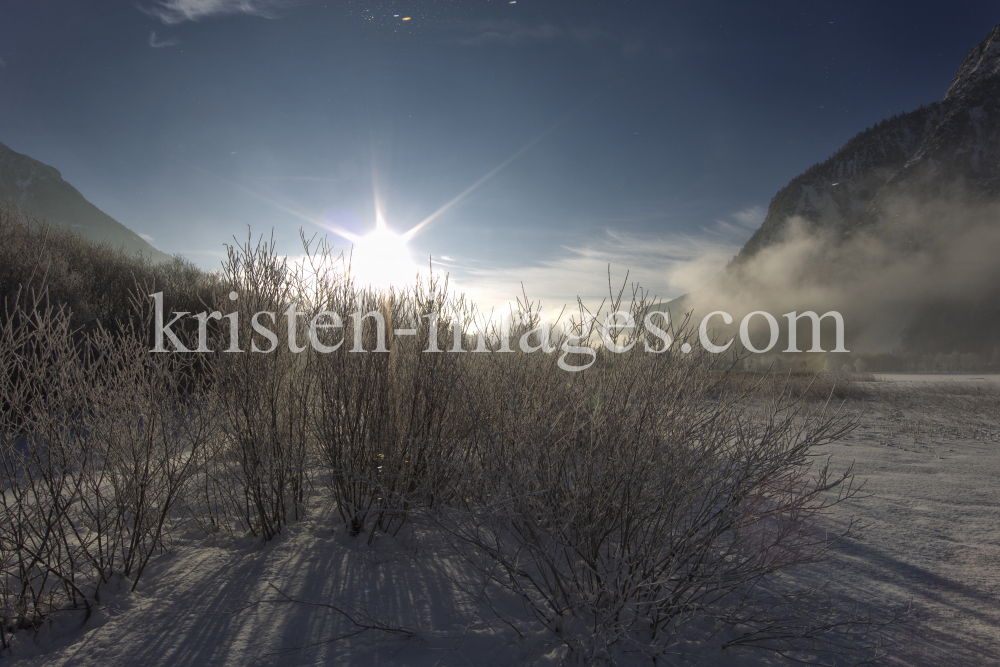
(40, 191)
(905, 218)
(951, 147)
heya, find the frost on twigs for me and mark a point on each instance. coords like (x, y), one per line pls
(617, 510)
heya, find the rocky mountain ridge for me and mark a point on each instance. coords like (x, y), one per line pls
(948, 148)
(899, 231)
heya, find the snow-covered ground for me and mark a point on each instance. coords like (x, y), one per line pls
(930, 455)
(917, 378)
(931, 460)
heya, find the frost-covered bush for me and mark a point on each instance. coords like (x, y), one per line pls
(626, 502)
(97, 442)
(620, 504)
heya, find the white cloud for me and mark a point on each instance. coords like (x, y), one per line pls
(751, 217)
(173, 12)
(146, 237)
(161, 43)
(741, 224)
(213, 254)
(509, 32)
(512, 32)
(667, 265)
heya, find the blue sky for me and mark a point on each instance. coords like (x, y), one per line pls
(648, 135)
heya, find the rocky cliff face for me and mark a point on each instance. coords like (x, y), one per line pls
(949, 149)
(899, 230)
(40, 190)
(982, 63)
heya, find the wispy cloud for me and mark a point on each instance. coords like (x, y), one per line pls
(211, 254)
(513, 32)
(510, 32)
(740, 224)
(173, 12)
(157, 43)
(3, 63)
(751, 217)
(667, 265)
(146, 237)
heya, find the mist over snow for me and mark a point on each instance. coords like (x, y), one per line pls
(884, 281)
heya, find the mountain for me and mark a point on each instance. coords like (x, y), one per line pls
(837, 193)
(946, 148)
(902, 224)
(40, 190)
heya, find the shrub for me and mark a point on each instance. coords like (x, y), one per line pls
(621, 504)
(91, 462)
(647, 494)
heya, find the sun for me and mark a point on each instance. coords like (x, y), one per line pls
(381, 260)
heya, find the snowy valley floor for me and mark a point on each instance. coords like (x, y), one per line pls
(929, 456)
